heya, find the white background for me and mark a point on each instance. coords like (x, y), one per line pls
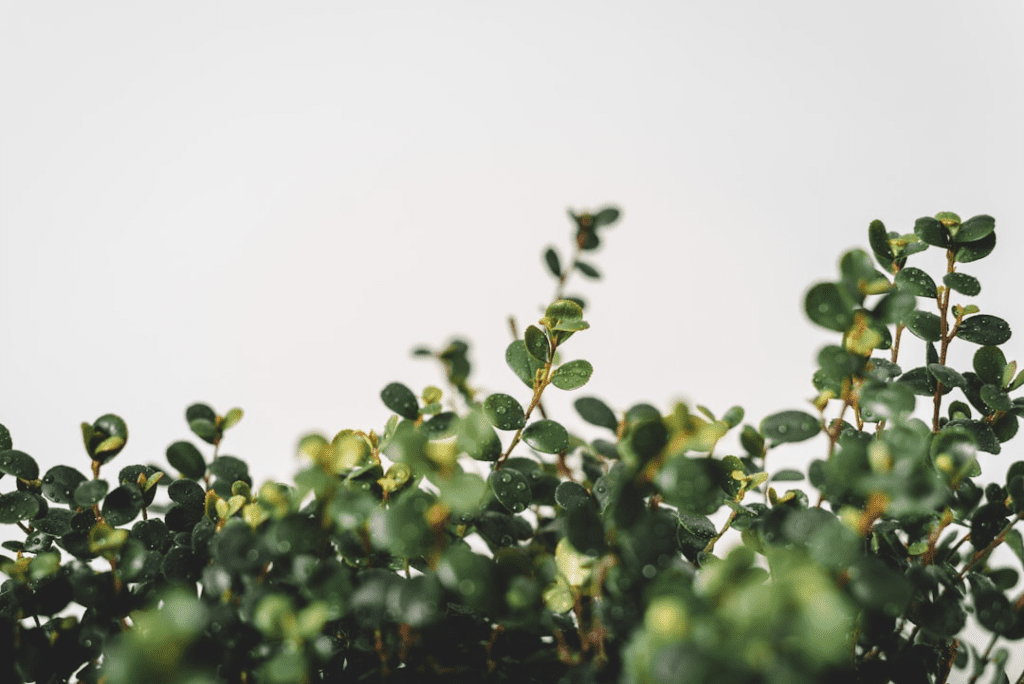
(269, 205)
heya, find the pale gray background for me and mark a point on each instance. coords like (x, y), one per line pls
(269, 204)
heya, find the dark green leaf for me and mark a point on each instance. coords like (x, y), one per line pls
(982, 433)
(60, 482)
(880, 401)
(546, 436)
(551, 259)
(230, 469)
(894, 307)
(16, 506)
(962, 283)
(5, 439)
(200, 411)
(585, 531)
(185, 457)
(572, 375)
(829, 307)
(789, 426)
(537, 344)
(876, 585)
(588, 270)
(973, 251)
(401, 400)
(1006, 427)
(18, 464)
(504, 412)
(187, 493)
(511, 488)
(605, 217)
(477, 438)
(522, 363)
(916, 282)
(925, 325)
(989, 363)
(693, 485)
(931, 231)
(733, 417)
(122, 505)
(996, 398)
(975, 228)
(205, 430)
(946, 375)
(566, 315)
(571, 495)
(984, 329)
(90, 492)
(596, 412)
(879, 240)
(788, 475)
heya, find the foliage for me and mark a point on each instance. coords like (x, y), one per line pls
(476, 539)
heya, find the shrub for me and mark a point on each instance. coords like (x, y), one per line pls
(475, 539)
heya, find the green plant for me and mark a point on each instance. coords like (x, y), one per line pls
(594, 560)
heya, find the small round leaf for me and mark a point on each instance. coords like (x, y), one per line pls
(790, 426)
(511, 488)
(962, 283)
(18, 464)
(185, 457)
(827, 306)
(572, 375)
(504, 412)
(401, 400)
(546, 436)
(596, 412)
(916, 282)
(984, 329)
(925, 325)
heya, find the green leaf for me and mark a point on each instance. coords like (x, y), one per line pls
(401, 400)
(975, 228)
(106, 427)
(829, 307)
(692, 484)
(989, 363)
(16, 506)
(504, 412)
(984, 329)
(916, 282)
(537, 344)
(572, 375)
(946, 375)
(789, 426)
(551, 259)
(546, 436)
(18, 464)
(973, 251)
(596, 412)
(996, 398)
(204, 429)
(919, 380)
(571, 495)
(231, 418)
(962, 283)
(931, 231)
(879, 240)
(477, 438)
(925, 325)
(733, 417)
(122, 505)
(588, 270)
(883, 401)
(230, 469)
(90, 492)
(5, 439)
(200, 411)
(60, 482)
(185, 457)
(894, 306)
(522, 363)
(787, 475)
(606, 217)
(511, 489)
(565, 315)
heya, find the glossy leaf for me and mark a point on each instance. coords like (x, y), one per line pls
(572, 375)
(996, 398)
(90, 492)
(60, 482)
(477, 438)
(925, 325)
(185, 457)
(401, 400)
(946, 375)
(984, 329)
(973, 251)
(989, 363)
(18, 464)
(606, 216)
(511, 488)
(827, 306)
(537, 344)
(5, 439)
(931, 231)
(789, 426)
(879, 240)
(962, 283)
(522, 363)
(546, 436)
(596, 412)
(504, 412)
(15, 506)
(975, 228)
(916, 282)
(571, 495)
(565, 315)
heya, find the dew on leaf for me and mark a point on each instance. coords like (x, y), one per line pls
(649, 571)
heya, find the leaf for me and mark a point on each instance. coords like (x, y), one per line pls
(15, 506)
(107, 426)
(962, 283)
(522, 363)
(787, 475)
(551, 259)
(546, 436)
(565, 315)
(827, 306)
(230, 469)
(231, 418)
(510, 488)
(588, 270)
(925, 325)
(606, 217)
(789, 426)
(973, 251)
(596, 412)
(19, 464)
(477, 438)
(930, 230)
(122, 505)
(200, 411)
(537, 344)
(975, 228)
(989, 363)
(504, 412)
(946, 375)
(984, 329)
(571, 495)
(996, 398)
(204, 429)
(60, 482)
(572, 375)
(185, 457)
(5, 439)
(401, 400)
(916, 282)
(879, 241)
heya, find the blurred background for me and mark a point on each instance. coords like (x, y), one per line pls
(268, 204)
